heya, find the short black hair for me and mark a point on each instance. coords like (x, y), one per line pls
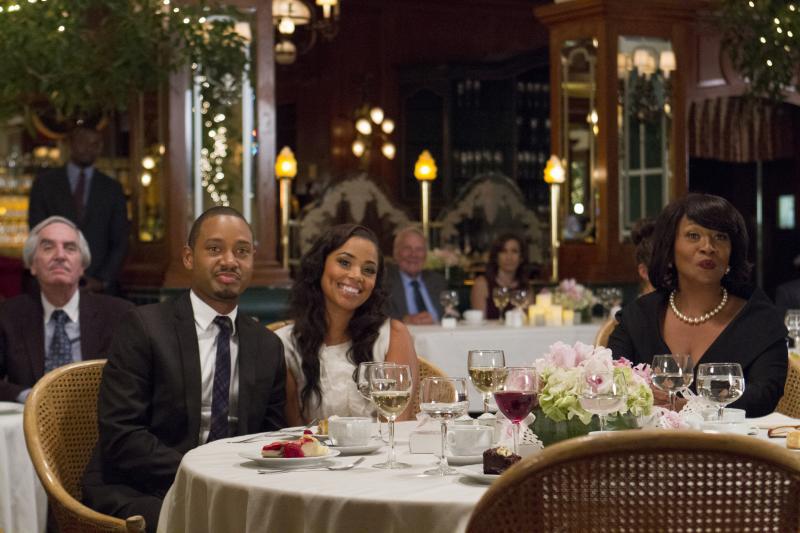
(642, 238)
(713, 212)
(216, 211)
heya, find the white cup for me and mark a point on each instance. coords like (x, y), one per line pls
(469, 440)
(473, 316)
(350, 430)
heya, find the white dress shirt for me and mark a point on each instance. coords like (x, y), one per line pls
(207, 331)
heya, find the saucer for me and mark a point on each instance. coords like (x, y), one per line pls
(475, 473)
(461, 460)
(358, 450)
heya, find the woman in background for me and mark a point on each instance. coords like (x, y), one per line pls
(336, 304)
(642, 238)
(507, 267)
(703, 304)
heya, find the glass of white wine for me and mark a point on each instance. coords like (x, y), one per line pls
(390, 389)
(672, 373)
(443, 399)
(720, 383)
(501, 296)
(487, 371)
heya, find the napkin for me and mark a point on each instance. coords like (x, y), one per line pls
(774, 420)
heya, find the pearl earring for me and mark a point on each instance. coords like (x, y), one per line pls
(727, 270)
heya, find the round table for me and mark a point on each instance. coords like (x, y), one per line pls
(216, 490)
(23, 502)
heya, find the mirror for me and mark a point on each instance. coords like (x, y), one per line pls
(578, 137)
(644, 118)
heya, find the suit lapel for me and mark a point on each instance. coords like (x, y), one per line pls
(87, 319)
(64, 196)
(34, 342)
(247, 369)
(399, 295)
(190, 360)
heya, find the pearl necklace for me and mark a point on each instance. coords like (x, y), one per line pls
(695, 321)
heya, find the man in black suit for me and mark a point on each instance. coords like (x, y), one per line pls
(60, 325)
(93, 201)
(182, 373)
(413, 292)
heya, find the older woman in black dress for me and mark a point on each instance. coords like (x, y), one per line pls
(704, 304)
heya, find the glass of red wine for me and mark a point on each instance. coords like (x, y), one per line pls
(518, 396)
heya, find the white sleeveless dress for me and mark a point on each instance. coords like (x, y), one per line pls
(340, 395)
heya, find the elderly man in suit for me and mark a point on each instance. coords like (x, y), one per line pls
(184, 372)
(413, 291)
(60, 325)
(93, 201)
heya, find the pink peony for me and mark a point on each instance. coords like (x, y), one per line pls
(562, 355)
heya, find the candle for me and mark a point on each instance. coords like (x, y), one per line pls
(544, 299)
(568, 315)
(554, 317)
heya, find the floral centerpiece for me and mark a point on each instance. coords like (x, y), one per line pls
(560, 414)
(446, 259)
(572, 295)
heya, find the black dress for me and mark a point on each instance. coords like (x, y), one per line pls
(755, 338)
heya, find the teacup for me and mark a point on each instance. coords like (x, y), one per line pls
(349, 430)
(473, 316)
(469, 440)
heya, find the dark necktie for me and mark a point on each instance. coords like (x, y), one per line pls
(60, 352)
(77, 194)
(418, 299)
(222, 380)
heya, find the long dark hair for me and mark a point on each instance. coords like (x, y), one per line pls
(307, 308)
(522, 273)
(713, 212)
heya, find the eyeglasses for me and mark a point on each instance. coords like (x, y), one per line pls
(781, 431)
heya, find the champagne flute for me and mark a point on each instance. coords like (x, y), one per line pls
(518, 396)
(449, 301)
(362, 382)
(602, 392)
(672, 373)
(519, 298)
(501, 297)
(443, 399)
(390, 388)
(487, 372)
(720, 383)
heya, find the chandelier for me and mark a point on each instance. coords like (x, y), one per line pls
(644, 77)
(299, 24)
(372, 127)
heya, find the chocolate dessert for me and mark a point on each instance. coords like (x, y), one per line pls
(497, 460)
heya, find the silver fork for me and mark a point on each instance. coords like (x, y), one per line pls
(260, 436)
(335, 468)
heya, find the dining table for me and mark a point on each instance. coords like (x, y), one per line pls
(447, 348)
(23, 502)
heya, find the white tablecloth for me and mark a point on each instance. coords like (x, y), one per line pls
(448, 348)
(216, 490)
(23, 502)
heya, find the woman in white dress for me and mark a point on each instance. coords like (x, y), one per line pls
(337, 304)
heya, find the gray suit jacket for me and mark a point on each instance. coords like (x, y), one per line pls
(396, 303)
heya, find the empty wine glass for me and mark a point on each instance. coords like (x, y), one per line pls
(443, 399)
(518, 396)
(519, 298)
(390, 389)
(720, 383)
(362, 382)
(487, 372)
(501, 296)
(602, 392)
(792, 321)
(672, 373)
(449, 301)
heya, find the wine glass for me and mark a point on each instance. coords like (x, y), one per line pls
(602, 392)
(443, 399)
(671, 373)
(720, 383)
(449, 301)
(519, 298)
(792, 321)
(362, 382)
(501, 297)
(390, 389)
(487, 372)
(518, 396)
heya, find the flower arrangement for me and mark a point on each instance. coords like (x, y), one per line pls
(572, 295)
(445, 258)
(562, 368)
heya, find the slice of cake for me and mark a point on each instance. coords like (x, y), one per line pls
(497, 460)
(305, 446)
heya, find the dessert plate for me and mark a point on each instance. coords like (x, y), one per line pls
(460, 460)
(287, 462)
(358, 450)
(475, 473)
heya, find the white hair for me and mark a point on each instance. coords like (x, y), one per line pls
(32, 242)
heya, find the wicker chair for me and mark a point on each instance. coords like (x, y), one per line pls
(601, 339)
(426, 370)
(648, 480)
(61, 431)
(274, 326)
(790, 402)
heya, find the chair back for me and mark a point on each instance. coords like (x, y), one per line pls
(789, 404)
(60, 422)
(426, 370)
(646, 480)
(601, 339)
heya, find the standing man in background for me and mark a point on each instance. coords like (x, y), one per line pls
(90, 199)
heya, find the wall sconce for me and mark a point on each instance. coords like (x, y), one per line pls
(425, 172)
(285, 171)
(371, 125)
(297, 25)
(554, 175)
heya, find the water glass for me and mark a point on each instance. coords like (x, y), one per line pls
(672, 373)
(792, 321)
(720, 383)
(602, 392)
(390, 390)
(518, 396)
(487, 371)
(449, 301)
(443, 399)
(362, 382)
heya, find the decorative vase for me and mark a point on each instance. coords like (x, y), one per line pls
(550, 432)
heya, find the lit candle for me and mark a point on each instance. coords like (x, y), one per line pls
(569, 316)
(544, 299)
